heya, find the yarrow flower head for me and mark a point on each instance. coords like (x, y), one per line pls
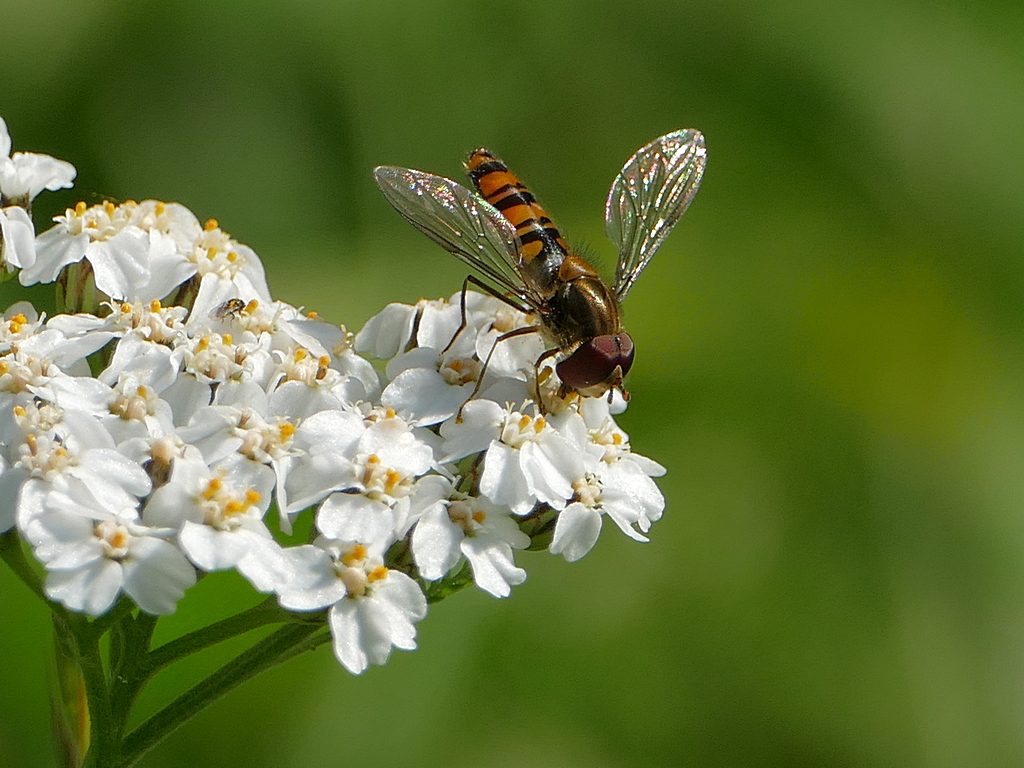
(186, 423)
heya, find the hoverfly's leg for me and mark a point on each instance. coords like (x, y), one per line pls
(462, 304)
(536, 376)
(526, 329)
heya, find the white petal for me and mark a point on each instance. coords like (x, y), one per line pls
(494, 569)
(91, 590)
(120, 264)
(576, 531)
(55, 249)
(18, 247)
(550, 467)
(502, 480)
(311, 581)
(425, 396)
(481, 423)
(387, 332)
(435, 542)
(354, 517)
(346, 630)
(156, 575)
(214, 550)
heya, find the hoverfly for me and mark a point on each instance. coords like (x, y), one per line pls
(505, 234)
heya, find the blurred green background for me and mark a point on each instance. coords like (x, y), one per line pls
(831, 358)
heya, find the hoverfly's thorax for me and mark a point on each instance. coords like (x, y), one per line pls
(583, 308)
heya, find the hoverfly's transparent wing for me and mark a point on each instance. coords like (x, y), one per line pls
(653, 189)
(461, 222)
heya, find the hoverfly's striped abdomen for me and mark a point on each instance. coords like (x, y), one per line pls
(537, 234)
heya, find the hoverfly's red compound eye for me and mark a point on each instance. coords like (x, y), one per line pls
(598, 364)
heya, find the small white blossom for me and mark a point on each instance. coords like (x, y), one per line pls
(383, 466)
(23, 175)
(526, 461)
(219, 257)
(90, 562)
(372, 608)
(458, 525)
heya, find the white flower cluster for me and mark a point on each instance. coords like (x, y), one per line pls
(208, 407)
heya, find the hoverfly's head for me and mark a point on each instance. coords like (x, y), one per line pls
(598, 365)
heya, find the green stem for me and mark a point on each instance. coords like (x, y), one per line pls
(280, 646)
(267, 612)
(14, 556)
(104, 733)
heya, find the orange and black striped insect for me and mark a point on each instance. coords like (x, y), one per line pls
(505, 234)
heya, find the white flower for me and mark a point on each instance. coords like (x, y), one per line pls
(383, 466)
(79, 511)
(91, 561)
(117, 249)
(614, 482)
(372, 608)
(457, 525)
(69, 452)
(526, 460)
(435, 363)
(137, 412)
(21, 321)
(218, 515)
(137, 251)
(24, 175)
(219, 257)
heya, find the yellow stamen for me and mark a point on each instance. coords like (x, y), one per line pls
(479, 516)
(160, 207)
(108, 208)
(539, 424)
(312, 314)
(212, 488)
(358, 553)
(390, 413)
(210, 225)
(286, 430)
(155, 306)
(80, 207)
(251, 306)
(378, 573)
(227, 339)
(252, 497)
